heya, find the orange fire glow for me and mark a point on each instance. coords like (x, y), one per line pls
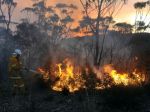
(71, 78)
(125, 79)
(67, 77)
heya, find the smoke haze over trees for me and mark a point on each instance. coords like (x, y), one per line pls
(49, 34)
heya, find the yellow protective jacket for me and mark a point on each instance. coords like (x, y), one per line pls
(15, 67)
(14, 64)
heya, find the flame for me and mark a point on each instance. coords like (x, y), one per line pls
(67, 77)
(125, 79)
(44, 74)
(70, 77)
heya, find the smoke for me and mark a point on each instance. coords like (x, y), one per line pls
(80, 50)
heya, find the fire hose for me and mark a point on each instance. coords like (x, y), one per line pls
(34, 72)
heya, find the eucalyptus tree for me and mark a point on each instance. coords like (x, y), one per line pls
(142, 20)
(102, 11)
(54, 20)
(6, 9)
(124, 28)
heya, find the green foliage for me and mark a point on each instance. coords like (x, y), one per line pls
(123, 27)
(33, 42)
(141, 20)
(140, 5)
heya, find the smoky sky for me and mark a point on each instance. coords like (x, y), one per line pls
(126, 14)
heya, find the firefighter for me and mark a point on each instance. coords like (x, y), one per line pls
(15, 74)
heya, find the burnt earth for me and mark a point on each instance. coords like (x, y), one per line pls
(116, 99)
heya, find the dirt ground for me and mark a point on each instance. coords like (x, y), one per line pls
(117, 99)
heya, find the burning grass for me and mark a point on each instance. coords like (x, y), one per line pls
(68, 76)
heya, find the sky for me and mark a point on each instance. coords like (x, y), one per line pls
(126, 14)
